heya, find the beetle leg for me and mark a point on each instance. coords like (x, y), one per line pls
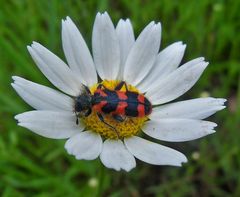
(132, 121)
(118, 118)
(120, 85)
(100, 86)
(89, 111)
(86, 89)
(101, 118)
(77, 121)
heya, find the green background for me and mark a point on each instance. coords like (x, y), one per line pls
(31, 165)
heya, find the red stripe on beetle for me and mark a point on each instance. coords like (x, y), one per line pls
(101, 92)
(121, 108)
(122, 95)
(141, 110)
(141, 98)
(98, 107)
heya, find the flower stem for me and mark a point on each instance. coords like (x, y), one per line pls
(101, 181)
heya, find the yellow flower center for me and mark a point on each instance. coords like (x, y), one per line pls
(129, 127)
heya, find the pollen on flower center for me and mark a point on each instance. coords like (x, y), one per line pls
(129, 127)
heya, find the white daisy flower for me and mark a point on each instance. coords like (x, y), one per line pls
(107, 122)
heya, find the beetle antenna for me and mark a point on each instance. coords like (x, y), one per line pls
(77, 121)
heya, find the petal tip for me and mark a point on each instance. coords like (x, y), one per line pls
(20, 124)
(184, 160)
(151, 23)
(222, 107)
(128, 169)
(181, 163)
(127, 20)
(158, 24)
(29, 47)
(105, 13)
(214, 124)
(222, 100)
(206, 63)
(98, 14)
(212, 131)
(34, 43)
(17, 117)
(203, 64)
(13, 85)
(14, 78)
(184, 46)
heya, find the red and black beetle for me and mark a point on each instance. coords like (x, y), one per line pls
(119, 104)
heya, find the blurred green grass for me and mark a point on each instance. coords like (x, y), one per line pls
(31, 165)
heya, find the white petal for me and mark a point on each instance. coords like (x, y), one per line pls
(176, 83)
(178, 130)
(194, 109)
(126, 40)
(167, 61)
(41, 97)
(56, 125)
(115, 155)
(142, 54)
(153, 153)
(105, 46)
(55, 69)
(85, 145)
(77, 53)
